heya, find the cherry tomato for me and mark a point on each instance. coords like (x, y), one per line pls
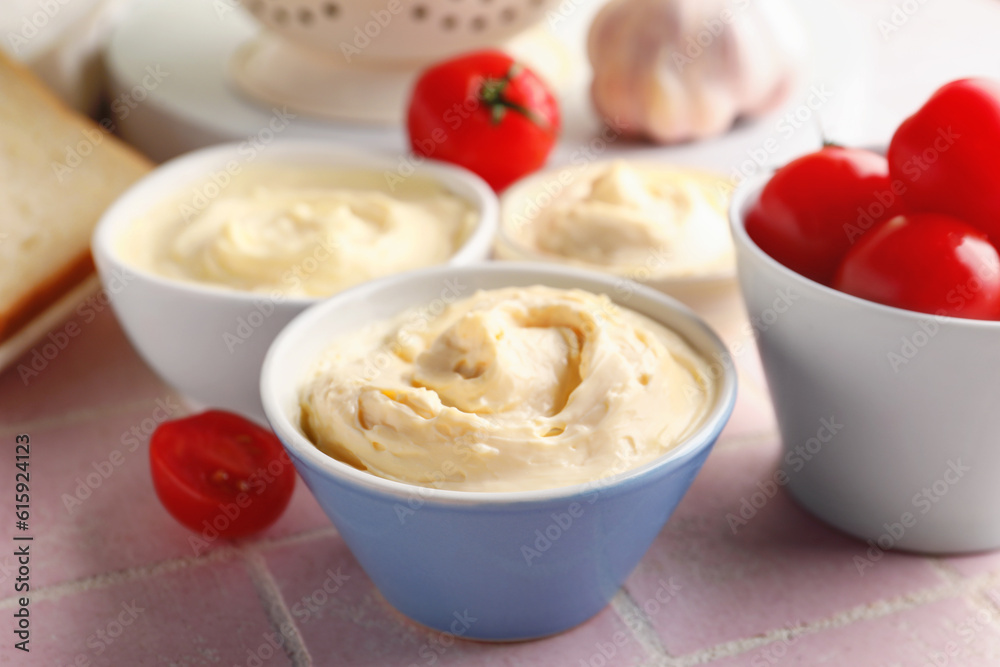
(222, 471)
(485, 112)
(925, 262)
(946, 154)
(816, 206)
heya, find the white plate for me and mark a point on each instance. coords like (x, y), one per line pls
(194, 104)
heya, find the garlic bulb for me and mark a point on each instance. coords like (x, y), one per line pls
(679, 70)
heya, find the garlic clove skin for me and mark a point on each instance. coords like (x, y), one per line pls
(683, 70)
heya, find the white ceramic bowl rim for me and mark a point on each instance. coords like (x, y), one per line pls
(362, 480)
(749, 190)
(524, 186)
(300, 153)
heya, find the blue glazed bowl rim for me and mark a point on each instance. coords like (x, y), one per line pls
(302, 450)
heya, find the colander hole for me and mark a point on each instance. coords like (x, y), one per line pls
(280, 15)
(305, 16)
(420, 12)
(478, 23)
(331, 10)
(508, 15)
(449, 22)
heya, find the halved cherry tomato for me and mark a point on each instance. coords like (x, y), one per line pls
(928, 263)
(219, 471)
(816, 206)
(946, 154)
(485, 112)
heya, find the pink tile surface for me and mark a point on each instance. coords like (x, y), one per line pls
(948, 633)
(748, 363)
(785, 566)
(303, 515)
(98, 512)
(95, 509)
(118, 545)
(203, 615)
(752, 415)
(354, 625)
(975, 564)
(97, 367)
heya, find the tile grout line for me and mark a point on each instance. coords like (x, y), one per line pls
(277, 612)
(987, 601)
(642, 629)
(946, 572)
(106, 579)
(294, 538)
(980, 597)
(970, 588)
(865, 612)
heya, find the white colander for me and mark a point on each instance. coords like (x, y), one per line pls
(356, 60)
(398, 29)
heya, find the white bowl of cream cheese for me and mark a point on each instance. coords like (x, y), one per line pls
(658, 224)
(888, 416)
(209, 256)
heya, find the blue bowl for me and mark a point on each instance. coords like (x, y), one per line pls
(490, 566)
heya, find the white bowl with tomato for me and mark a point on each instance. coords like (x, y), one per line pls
(874, 285)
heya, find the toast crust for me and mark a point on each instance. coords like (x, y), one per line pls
(67, 276)
(45, 294)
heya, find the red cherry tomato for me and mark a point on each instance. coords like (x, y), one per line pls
(946, 154)
(925, 262)
(485, 112)
(222, 471)
(815, 207)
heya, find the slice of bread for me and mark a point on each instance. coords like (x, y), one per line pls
(58, 172)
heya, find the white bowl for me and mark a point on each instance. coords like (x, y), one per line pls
(185, 331)
(888, 417)
(713, 294)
